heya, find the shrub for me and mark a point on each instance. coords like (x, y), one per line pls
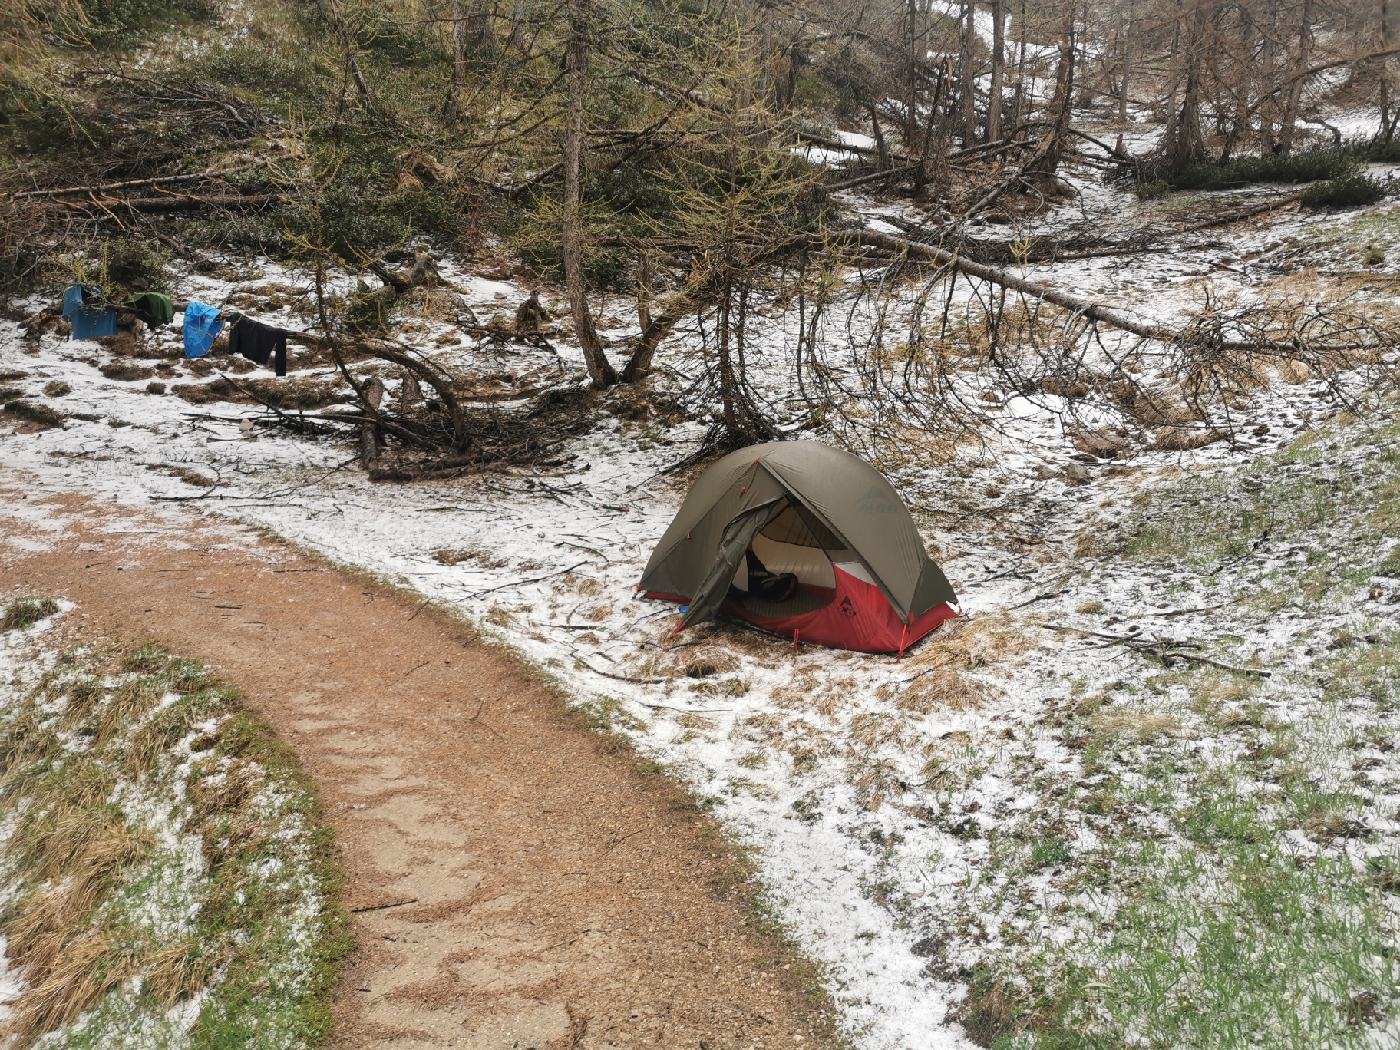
(120, 20)
(1377, 150)
(133, 263)
(1152, 190)
(1349, 191)
(1309, 165)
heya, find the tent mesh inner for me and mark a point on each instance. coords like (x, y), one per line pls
(797, 525)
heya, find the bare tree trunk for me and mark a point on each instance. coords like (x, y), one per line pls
(933, 128)
(1182, 142)
(994, 88)
(1018, 102)
(643, 291)
(1388, 13)
(911, 87)
(1295, 90)
(331, 9)
(371, 434)
(728, 382)
(1268, 60)
(656, 329)
(1389, 75)
(882, 149)
(1125, 63)
(1046, 159)
(459, 60)
(600, 371)
(967, 85)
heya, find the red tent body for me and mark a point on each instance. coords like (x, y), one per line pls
(856, 615)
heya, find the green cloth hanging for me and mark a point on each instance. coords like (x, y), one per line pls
(153, 308)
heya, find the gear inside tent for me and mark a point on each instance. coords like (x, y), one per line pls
(806, 541)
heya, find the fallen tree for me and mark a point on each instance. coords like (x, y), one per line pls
(1205, 330)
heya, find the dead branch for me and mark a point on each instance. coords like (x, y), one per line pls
(172, 202)
(1165, 650)
(105, 188)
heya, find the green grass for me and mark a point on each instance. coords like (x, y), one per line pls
(23, 613)
(1234, 879)
(1223, 934)
(162, 834)
(1207, 519)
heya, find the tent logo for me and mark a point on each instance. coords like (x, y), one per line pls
(847, 609)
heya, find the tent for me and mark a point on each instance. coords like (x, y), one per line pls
(864, 579)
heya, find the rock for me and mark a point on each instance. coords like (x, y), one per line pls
(1385, 589)
(1102, 444)
(1077, 474)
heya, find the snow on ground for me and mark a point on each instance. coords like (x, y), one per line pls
(10, 984)
(153, 909)
(875, 794)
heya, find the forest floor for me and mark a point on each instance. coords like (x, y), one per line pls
(512, 879)
(1150, 765)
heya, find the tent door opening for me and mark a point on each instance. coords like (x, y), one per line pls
(794, 541)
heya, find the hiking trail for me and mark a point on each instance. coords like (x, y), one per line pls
(513, 879)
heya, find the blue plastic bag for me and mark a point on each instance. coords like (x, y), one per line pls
(202, 326)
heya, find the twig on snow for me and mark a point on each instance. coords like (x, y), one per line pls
(1166, 650)
(623, 677)
(521, 583)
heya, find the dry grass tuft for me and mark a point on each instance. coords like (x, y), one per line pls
(970, 642)
(938, 689)
(34, 412)
(694, 660)
(458, 555)
(1186, 439)
(126, 371)
(82, 757)
(1134, 725)
(191, 477)
(25, 612)
(81, 855)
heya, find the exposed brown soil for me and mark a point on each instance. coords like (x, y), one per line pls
(515, 881)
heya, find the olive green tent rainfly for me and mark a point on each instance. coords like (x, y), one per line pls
(865, 580)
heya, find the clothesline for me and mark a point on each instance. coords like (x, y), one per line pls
(202, 324)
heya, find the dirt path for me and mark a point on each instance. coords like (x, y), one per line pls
(523, 885)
